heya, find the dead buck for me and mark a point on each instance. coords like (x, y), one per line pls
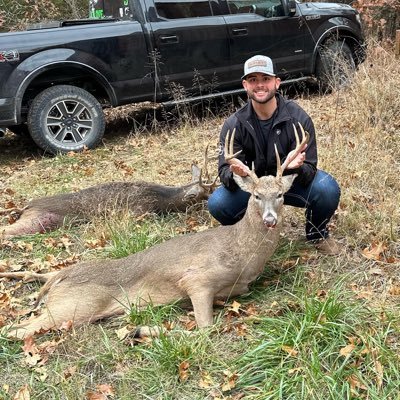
(51, 212)
(217, 263)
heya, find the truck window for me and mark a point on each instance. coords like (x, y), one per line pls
(183, 9)
(265, 8)
(118, 9)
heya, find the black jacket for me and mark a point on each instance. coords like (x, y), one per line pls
(260, 152)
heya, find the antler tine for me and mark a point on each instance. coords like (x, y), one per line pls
(205, 164)
(207, 184)
(279, 171)
(230, 157)
(228, 152)
(299, 148)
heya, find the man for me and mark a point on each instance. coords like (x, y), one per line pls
(266, 119)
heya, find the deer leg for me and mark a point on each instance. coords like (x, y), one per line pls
(33, 221)
(203, 308)
(43, 322)
(28, 276)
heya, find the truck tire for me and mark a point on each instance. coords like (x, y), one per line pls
(66, 118)
(335, 65)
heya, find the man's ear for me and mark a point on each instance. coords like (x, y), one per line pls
(244, 182)
(277, 83)
(287, 181)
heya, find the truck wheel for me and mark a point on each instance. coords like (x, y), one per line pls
(335, 65)
(66, 118)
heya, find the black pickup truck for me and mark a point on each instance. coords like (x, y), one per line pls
(56, 78)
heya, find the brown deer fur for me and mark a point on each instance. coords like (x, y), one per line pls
(216, 263)
(49, 213)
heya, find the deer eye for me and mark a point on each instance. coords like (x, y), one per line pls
(257, 197)
(279, 195)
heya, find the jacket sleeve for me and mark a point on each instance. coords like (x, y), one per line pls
(308, 170)
(225, 174)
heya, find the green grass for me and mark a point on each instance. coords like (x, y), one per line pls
(297, 355)
(127, 236)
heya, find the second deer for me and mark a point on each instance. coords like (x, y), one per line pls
(51, 212)
(217, 263)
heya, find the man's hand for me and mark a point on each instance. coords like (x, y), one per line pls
(298, 161)
(240, 170)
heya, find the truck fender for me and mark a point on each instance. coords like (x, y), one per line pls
(323, 33)
(28, 70)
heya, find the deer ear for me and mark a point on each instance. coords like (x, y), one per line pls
(196, 172)
(245, 183)
(287, 181)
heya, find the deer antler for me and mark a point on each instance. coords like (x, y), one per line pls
(231, 159)
(207, 184)
(299, 148)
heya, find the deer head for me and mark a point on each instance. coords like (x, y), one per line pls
(202, 184)
(266, 192)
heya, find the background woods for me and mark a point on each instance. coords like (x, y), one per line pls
(15, 15)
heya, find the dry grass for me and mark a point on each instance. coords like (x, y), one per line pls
(357, 131)
(359, 143)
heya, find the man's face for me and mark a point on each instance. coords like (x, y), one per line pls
(261, 88)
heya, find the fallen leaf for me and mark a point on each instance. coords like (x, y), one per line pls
(347, 350)
(235, 307)
(42, 373)
(105, 389)
(294, 370)
(95, 396)
(290, 350)
(29, 347)
(70, 371)
(251, 309)
(124, 332)
(205, 380)
(230, 381)
(9, 204)
(23, 393)
(374, 251)
(394, 290)
(33, 359)
(355, 383)
(183, 371)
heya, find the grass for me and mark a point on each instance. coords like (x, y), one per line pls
(312, 327)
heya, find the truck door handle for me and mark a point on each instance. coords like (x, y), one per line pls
(169, 39)
(239, 31)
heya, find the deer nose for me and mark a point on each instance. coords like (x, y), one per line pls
(269, 221)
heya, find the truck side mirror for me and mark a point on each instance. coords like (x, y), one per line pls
(292, 7)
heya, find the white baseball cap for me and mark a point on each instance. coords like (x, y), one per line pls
(261, 64)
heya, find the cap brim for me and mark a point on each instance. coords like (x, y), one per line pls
(244, 76)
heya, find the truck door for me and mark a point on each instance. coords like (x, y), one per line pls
(191, 46)
(262, 27)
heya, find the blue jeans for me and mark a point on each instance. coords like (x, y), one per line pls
(320, 199)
